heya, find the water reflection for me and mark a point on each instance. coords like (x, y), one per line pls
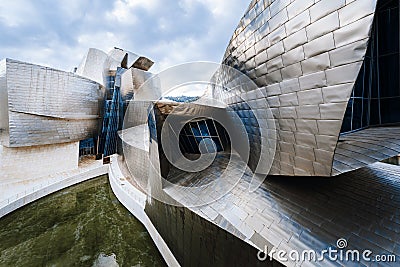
(393, 161)
(84, 225)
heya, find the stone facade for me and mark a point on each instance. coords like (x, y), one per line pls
(37, 161)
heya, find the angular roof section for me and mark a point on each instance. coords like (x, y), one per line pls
(97, 63)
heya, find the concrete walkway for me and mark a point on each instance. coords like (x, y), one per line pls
(20, 193)
(23, 190)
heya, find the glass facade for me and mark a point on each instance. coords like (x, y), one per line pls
(110, 81)
(375, 99)
(87, 147)
(210, 132)
(112, 116)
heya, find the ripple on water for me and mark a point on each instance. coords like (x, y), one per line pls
(106, 261)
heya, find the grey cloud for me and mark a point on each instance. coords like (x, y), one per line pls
(58, 33)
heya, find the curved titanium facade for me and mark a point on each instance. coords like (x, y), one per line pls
(305, 55)
(101, 67)
(46, 106)
(375, 99)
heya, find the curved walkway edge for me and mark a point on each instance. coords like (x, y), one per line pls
(130, 197)
(134, 200)
(51, 188)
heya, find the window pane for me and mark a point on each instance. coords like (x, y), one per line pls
(346, 126)
(389, 76)
(388, 23)
(195, 129)
(217, 142)
(374, 114)
(357, 114)
(211, 128)
(365, 120)
(390, 110)
(203, 128)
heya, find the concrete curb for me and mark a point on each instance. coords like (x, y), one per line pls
(51, 188)
(125, 193)
(130, 197)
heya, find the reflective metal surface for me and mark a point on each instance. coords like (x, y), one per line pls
(91, 65)
(47, 106)
(358, 149)
(96, 64)
(307, 214)
(306, 56)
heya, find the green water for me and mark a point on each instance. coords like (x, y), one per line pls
(83, 225)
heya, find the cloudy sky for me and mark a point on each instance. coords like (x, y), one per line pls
(58, 33)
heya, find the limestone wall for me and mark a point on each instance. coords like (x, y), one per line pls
(49, 189)
(37, 161)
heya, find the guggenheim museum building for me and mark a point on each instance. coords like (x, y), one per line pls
(281, 149)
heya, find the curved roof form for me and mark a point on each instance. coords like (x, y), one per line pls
(41, 105)
(305, 55)
(118, 57)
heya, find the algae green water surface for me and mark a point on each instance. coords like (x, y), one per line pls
(83, 225)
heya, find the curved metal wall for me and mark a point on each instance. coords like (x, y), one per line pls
(370, 130)
(306, 56)
(48, 106)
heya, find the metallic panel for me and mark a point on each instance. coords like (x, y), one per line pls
(290, 215)
(362, 148)
(132, 80)
(310, 69)
(48, 106)
(96, 64)
(91, 66)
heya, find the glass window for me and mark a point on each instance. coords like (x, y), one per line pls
(211, 128)
(208, 131)
(195, 129)
(390, 109)
(389, 76)
(203, 128)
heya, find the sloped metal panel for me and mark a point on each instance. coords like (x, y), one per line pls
(118, 57)
(359, 149)
(132, 80)
(92, 64)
